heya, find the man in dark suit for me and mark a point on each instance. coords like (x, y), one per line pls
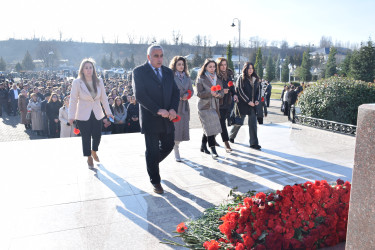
(13, 98)
(292, 98)
(158, 96)
(268, 93)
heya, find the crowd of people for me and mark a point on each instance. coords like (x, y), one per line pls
(42, 102)
(289, 97)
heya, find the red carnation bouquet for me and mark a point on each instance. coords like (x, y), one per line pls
(230, 84)
(189, 94)
(76, 131)
(262, 99)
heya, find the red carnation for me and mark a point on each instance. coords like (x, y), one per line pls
(218, 88)
(189, 94)
(262, 99)
(340, 182)
(213, 88)
(211, 245)
(181, 228)
(177, 119)
(76, 131)
(230, 84)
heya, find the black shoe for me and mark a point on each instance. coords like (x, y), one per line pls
(204, 149)
(231, 140)
(257, 147)
(158, 188)
(214, 153)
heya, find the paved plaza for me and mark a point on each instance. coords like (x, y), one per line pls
(51, 200)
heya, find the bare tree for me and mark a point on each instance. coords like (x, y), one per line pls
(176, 35)
(197, 40)
(103, 40)
(60, 34)
(325, 42)
(131, 38)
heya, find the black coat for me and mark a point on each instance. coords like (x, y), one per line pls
(244, 92)
(226, 101)
(53, 110)
(153, 95)
(3, 96)
(292, 97)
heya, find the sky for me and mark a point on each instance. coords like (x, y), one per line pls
(299, 22)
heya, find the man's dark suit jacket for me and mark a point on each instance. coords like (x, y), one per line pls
(11, 94)
(153, 95)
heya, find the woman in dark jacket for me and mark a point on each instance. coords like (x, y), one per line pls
(53, 107)
(225, 74)
(247, 91)
(132, 120)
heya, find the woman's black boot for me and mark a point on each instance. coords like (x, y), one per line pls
(204, 148)
(214, 153)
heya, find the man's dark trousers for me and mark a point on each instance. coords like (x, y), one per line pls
(158, 146)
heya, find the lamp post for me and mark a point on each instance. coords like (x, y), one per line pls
(239, 43)
(290, 69)
(294, 72)
(280, 70)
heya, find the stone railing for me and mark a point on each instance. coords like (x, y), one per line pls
(333, 126)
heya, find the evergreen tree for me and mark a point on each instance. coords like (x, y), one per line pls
(259, 63)
(305, 73)
(3, 64)
(285, 71)
(345, 65)
(331, 63)
(131, 62)
(270, 69)
(126, 64)
(362, 64)
(277, 68)
(111, 63)
(209, 52)
(197, 60)
(18, 67)
(27, 62)
(229, 56)
(104, 63)
(118, 63)
(253, 56)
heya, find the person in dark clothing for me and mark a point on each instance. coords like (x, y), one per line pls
(44, 114)
(132, 119)
(247, 89)
(268, 93)
(292, 98)
(3, 98)
(52, 110)
(13, 97)
(158, 95)
(226, 76)
(107, 127)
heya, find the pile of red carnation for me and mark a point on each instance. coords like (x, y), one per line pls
(303, 216)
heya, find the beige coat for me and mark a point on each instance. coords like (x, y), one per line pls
(208, 106)
(181, 131)
(22, 106)
(36, 115)
(82, 103)
(66, 131)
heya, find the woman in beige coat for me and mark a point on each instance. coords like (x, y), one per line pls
(208, 105)
(22, 107)
(35, 106)
(183, 82)
(67, 129)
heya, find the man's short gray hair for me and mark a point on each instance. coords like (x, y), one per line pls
(154, 47)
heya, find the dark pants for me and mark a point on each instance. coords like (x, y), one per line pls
(91, 128)
(268, 99)
(158, 146)
(54, 129)
(3, 105)
(210, 139)
(252, 121)
(292, 110)
(119, 128)
(286, 108)
(223, 118)
(14, 104)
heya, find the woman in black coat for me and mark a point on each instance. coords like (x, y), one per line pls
(53, 107)
(247, 92)
(225, 74)
(132, 120)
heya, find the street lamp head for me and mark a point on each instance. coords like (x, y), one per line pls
(233, 25)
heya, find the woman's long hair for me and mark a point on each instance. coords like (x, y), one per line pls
(119, 108)
(246, 69)
(206, 62)
(174, 61)
(95, 79)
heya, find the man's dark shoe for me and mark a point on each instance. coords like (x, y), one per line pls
(158, 188)
(231, 140)
(257, 147)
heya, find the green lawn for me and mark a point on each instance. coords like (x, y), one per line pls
(277, 88)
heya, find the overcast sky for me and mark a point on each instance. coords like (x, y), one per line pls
(296, 21)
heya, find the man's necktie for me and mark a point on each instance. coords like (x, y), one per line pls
(158, 74)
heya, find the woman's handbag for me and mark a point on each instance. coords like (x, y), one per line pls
(235, 117)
